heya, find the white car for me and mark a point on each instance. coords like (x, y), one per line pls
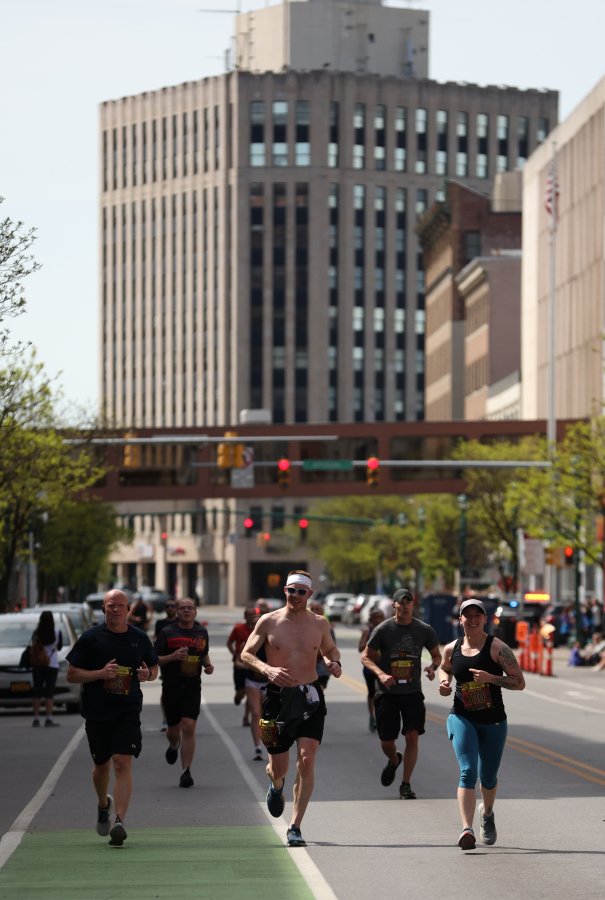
(377, 601)
(334, 605)
(16, 682)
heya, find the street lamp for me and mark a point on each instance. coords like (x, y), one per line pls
(462, 501)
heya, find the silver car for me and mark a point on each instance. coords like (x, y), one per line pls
(16, 684)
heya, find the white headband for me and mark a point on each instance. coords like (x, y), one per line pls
(300, 579)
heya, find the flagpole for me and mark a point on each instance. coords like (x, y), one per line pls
(551, 432)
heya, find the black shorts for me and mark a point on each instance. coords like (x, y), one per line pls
(181, 700)
(313, 727)
(120, 735)
(239, 678)
(399, 710)
(44, 678)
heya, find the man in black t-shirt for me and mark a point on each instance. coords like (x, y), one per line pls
(393, 653)
(109, 661)
(182, 653)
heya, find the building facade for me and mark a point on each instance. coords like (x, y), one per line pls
(257, 229)
(459, 362)
(578, 289)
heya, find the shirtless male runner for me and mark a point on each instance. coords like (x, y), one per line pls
(293, 707)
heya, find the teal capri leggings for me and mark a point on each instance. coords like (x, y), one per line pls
(478, 749)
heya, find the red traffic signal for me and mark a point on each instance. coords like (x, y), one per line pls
(303, 523)
(569, 555)
(248, 523)
(283, 472)
(164, 537)
(373, 471)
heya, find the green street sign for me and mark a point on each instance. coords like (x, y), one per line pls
(327, 465)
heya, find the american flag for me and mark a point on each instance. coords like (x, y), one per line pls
(551, 197)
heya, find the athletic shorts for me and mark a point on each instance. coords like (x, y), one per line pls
(370, 680)
(239, 678)
(256, 685)
(313, 727)
(120, 735)
(181, 700)
(399, 711)
(44, 678)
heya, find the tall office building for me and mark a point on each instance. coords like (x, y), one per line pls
(258, 245)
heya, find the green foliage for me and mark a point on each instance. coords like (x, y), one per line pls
(15, 265)
(38, 471)
(74, 544)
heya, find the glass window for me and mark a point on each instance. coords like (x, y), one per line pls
(481, 161)
(333, 137)
(399, 160)
(380, 138)
(421, 142)
(441, 123)
(280, 139)
(543, 129)
(302, 149)
(359, 138)
(257, 133)
(522, 140)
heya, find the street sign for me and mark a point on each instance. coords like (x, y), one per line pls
(327, 465)
(242, 478)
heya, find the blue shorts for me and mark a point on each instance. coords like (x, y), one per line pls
(478, 748)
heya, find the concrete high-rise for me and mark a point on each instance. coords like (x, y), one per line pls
(258, 245)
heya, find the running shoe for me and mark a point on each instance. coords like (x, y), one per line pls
(487, 828)
(50, 723)
(406, 792)
(172, 754)
(388, 773)
(294, 837)
(275, 800)
(467, 841)
(372, 724)
(258, 755)
(117, 835)
(104, 814)
(186, 780)
(36, 723)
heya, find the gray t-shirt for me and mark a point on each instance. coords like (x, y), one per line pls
(400, 648)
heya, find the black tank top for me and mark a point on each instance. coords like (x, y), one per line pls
(475, 700)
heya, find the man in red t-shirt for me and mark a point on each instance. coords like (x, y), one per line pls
(235, 642)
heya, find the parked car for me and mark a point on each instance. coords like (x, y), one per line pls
(376, 601)
(79, 614)
(16, 682)
(334, 605)
(154, 599)
(95, 602)
(508, 613)
(352, 611)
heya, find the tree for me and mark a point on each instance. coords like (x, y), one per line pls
(74, 545)
(15, 265)
(39, 471)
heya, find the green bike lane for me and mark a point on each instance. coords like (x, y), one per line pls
(214, 840)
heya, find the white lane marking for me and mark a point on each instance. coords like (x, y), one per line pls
(315, 881)
(11, 840)
(590, 709)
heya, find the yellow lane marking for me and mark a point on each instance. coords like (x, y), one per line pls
(536, 751)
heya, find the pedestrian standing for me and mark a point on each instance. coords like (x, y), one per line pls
(294, 706)
(393, 653)
(45, 643)
(182, 651)
(110, 661)
(482, 665)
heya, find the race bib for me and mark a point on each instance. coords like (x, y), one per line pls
(120, 684)
(475, 695)
(402, 670)
(190, 666)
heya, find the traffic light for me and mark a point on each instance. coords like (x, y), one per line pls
(238, 456)
(569, 556)
(283, 473)
(373, 471)
(164, 538)
(263, 538)
(223, 456)
(552, 556)
(303, 524)
(248, 526)
(132, 453)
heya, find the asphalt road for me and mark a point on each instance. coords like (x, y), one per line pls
(217, 840)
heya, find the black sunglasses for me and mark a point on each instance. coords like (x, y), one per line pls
(300, 591)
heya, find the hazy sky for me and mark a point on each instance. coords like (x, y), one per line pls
(60, 58)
